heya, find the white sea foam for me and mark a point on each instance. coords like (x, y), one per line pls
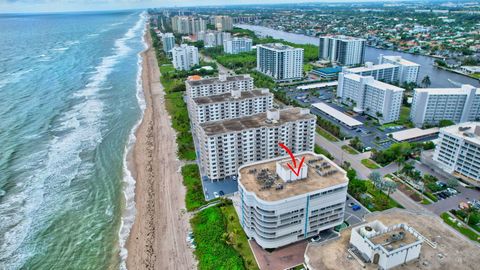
(128, 216)
(13, 77)
(44, 189)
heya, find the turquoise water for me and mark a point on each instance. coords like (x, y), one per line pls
(70, 97)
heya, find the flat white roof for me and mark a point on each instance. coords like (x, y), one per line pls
(373, 82)
(400, 60)
(347, 120)
(468, 131)
(370, 68)
(317, 85)
(413, 133)
(464, 90)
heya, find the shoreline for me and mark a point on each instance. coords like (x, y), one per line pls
(157, 237)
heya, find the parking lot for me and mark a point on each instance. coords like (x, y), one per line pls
(227, 186)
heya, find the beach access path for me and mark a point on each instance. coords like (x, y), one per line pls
(157, 238)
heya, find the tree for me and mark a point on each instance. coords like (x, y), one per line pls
(389, 187)
(445, 123)
(426, 81)
(452, 183)
(351, 174)
(376, 178)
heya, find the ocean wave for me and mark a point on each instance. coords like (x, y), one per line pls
(129, 212)
(13, 77)
(43, 188)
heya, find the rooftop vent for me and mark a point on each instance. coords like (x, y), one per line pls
(222, 77)
(273, 115)
(463, 128)
(236, 94)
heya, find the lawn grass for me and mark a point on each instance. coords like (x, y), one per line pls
(463, 230)
(319, 150)
(210, 232)
(404, 118)
(369, 163)
(349, 150)
(194, 198)
(238, 238)
(425, 202)
(326, 135)
(475, 75)
(177, 109)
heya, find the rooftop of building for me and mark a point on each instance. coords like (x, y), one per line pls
(344, 38)
(373, 82)
(469, 131)
(400, 60)
(230, 96)
(255, 121)
(395, 237)
(370, 67)
(329, 70)
(452, 251)
(213, 80)
(278, 46)
(463, 90)
(322, 174)
(340, 116)
(413, 133)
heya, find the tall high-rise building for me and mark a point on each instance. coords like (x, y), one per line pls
(227, 144)
(279, 61)
(168, 42)
(430, 105)
(237, 45)
(184, 57)
(188, 24)
(218, 85)
(223, 23)
(278, 208)
(213, 38)
(408, 70)
(377, 99)
(347, 51)
(458, 151)
(384, 72)
(231, 105)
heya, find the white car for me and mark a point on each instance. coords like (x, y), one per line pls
(316, 239)
(216, 195)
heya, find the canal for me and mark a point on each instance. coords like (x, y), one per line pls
(438, 77)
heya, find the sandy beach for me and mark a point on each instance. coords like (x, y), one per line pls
(157, 238)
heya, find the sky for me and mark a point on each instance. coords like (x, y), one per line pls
(9, 6)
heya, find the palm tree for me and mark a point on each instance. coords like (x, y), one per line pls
(390, 187)
(376, 178)
(426, 81)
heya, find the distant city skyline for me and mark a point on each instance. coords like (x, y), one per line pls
(32, 6)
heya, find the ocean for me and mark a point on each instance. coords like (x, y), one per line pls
(70, 100)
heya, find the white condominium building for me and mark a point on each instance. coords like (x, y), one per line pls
(347, 51)
(223, 23)
(408, 70)
(231, 105)
(458, 151)
(218, 85)
(388, 73)
(430, 105)
(188, 24)
(377, 99)
(184, 57)
(386, 247)
(168, 42)
(281, 62)
(225, 145)
(213, 38)
(278, 208)
(237, 45)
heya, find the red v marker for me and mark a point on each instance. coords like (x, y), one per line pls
(294, 169)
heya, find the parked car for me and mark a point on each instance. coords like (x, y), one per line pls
(316, 239)
(356, 207)
(351, 204)
(215, 194)
(221, 193)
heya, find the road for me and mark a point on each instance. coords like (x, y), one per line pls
(341, 156)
